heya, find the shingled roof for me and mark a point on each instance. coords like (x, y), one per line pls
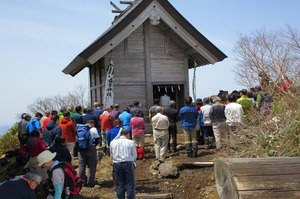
(198, 48)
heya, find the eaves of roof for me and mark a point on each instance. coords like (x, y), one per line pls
(81, 61)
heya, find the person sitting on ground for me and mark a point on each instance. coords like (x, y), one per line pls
(46, 160)
(22, 188)
(62, 153)
(52, 131)
(33, 147)
(34, 123)
(115, 132)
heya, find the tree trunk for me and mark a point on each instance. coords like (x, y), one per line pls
(258, 178)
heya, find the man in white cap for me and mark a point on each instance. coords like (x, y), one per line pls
(45, 160)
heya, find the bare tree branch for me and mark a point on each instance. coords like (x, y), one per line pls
(270, 58)
(57, 102)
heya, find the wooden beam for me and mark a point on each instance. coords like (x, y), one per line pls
(114, 5)
(127, 2)
(190, 52)
(154, 196)
(198, 164)
(117, 11)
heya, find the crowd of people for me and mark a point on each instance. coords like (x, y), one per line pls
(51, 140)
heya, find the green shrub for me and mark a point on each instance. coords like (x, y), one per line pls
(9, 141)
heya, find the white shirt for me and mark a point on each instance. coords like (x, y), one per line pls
(205, 112)
(123, 150)
(94, 133)
(233, 113)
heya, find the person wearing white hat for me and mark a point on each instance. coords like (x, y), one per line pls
(45, 160)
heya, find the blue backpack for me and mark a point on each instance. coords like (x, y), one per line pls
(84, 139)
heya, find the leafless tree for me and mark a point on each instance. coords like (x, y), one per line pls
(77, 97)
(268, 58)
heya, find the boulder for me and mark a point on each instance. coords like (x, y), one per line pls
(168, 170)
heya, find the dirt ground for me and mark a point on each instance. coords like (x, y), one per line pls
(192, 182)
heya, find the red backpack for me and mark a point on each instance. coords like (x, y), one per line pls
(71, 178)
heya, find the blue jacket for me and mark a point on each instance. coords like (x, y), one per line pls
(126, 117)
(188, 115)
(111, 134)
(32, 125)
(88, 117)
(98, 112)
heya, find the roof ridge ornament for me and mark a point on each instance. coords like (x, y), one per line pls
(118, 10)
(154, 18)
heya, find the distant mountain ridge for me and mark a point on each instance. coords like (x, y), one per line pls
(4, 129)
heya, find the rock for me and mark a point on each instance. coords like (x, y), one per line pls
(154, 172)
(155, 165)
(198, 186)
(168, 169)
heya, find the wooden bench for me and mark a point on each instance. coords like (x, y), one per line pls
(258, 178)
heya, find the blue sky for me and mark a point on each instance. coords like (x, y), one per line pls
(38, 38)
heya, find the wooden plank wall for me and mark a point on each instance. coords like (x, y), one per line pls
(97, 72)
(129, 58)
(167, 66)
(167, 58)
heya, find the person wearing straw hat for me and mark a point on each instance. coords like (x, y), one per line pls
(46, 160)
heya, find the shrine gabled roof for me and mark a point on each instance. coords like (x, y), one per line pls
(201, 50)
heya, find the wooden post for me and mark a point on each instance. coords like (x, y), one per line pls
(148, 79)
(259, 178)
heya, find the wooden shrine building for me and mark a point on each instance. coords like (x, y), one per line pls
(148, 51)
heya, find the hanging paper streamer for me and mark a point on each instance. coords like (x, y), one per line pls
(172, 89)
(166, 89)
(109, 92)
(158, 88)
(179, 87)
